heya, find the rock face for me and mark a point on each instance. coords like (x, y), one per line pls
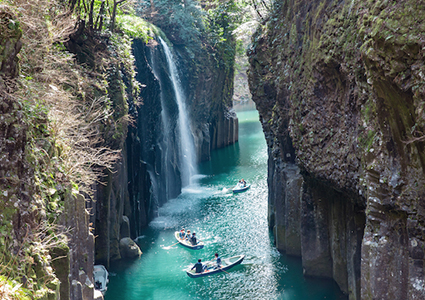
(21, 206)
(80, 259)
(10, 45)
(339, 87)
(129, 249)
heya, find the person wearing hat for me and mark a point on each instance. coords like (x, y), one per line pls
(193, 239)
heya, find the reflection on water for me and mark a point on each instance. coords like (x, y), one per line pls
(228, 224)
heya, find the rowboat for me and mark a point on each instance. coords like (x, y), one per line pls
(101, 278)
(240, 188)
(211, 268)
(187, 244)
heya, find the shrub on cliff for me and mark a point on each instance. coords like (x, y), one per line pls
(59, 123)
(182, 21)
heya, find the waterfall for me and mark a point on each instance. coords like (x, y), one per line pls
(165, 143)
(187, 148)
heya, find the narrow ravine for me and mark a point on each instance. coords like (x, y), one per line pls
(228, 224)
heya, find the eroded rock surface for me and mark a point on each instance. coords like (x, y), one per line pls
(340, 88)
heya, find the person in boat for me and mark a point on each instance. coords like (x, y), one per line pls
(218, 261)
(243, 182)
(98, 285)
(188, 236)
(193, 240)
(199, 267)
(182, 234)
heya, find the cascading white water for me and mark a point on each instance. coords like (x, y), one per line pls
(166, 133)
(187, 148)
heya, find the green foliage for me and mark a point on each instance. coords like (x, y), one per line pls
(136, 27)
(222, 20)
(182, 20)
(13, 289)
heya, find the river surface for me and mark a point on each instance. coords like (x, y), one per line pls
(228, 224)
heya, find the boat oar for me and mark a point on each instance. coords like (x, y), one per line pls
(172, 245)
(224, 271)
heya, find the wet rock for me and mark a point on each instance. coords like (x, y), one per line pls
(125, 227)
(129, 249)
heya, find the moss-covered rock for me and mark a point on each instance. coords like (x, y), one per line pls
(60, 264)
(129, 249)
(10, 43)
(339, 88)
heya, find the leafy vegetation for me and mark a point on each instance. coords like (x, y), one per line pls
(57, 114)
(136, 27)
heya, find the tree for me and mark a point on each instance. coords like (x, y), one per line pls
(114, 13)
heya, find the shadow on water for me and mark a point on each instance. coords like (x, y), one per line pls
(230, 154)
(229, 224)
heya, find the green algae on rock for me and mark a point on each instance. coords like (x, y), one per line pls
(339, 88)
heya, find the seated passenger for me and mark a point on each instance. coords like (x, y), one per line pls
(188, 235)
(218, 261)
(193, 239)
(199, 267)
(182, 234)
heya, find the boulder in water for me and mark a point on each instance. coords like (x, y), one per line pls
(129, 249)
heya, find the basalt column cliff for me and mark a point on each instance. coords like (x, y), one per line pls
(340, 90)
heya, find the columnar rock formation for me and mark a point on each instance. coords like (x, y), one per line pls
(340, 88)
(21, 207)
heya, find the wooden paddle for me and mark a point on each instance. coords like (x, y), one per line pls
(224, 271)
(172, 245)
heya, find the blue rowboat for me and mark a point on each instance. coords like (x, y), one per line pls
(211, 268)
(240, 188)
(187, 244)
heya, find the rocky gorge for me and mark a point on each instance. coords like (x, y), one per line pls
(339, 87)
(90, 143)
(85, 161)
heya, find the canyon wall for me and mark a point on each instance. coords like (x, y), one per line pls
(339, 86)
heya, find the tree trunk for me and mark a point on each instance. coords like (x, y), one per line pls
(114, 13)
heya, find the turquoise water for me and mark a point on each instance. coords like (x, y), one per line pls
(228, 224)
